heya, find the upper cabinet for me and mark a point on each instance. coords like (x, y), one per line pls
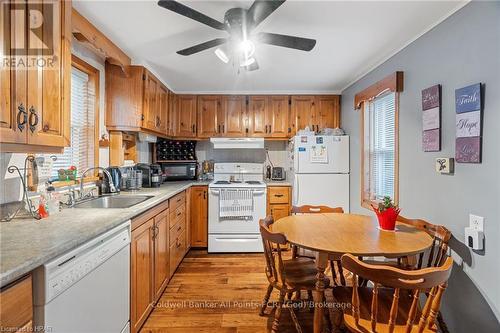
(316, 112)
(268, 116)
(209, 113)
(233, 119)
(35, 102)
(136, 101)
(327, 111)
(185, 115)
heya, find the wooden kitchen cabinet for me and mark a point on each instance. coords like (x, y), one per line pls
(136, 101)
(302, 110)
(268, 116)
(233, 120)
(185, 115)
(278, 117)
(150, 263)
(141, 279)
(163, 108)
(279, 201)
(35, 102)
(209, 114)
(199, 216)
(258, 107)
(161, 252)
(327, 111)
(317, 112)
(16, 306)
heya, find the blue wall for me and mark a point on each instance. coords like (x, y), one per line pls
(463, 50)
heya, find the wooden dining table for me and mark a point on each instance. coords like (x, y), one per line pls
(334, 234)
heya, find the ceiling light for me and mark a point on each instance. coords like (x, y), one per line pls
(247, 62)
(221, 55)
(247, 47)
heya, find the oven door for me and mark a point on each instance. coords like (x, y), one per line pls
(179, 171)
(217, 225)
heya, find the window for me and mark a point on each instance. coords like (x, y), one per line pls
(379, 118)
(83, 152)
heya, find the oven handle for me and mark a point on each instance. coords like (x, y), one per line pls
(259, 192)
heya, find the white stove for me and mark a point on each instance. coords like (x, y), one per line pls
(236, 203)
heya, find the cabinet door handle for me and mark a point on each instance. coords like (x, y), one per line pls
(204, 194)
(223, 131)
(266, 129)
(142, 117)
(22, 117)
(193, 128)
(33, 115)
(218, 128)
(278, 195)
(289, 130)
(270, 129)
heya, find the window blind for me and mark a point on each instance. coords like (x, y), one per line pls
(382, 145)
(81, 152)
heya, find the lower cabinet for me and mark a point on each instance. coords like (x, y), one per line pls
(199, 216)
(158, 246)
(141, 266)
(16, 306)
(279, 201)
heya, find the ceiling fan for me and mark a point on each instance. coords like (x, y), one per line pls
(240, 24)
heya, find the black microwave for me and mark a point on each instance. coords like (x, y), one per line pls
(178, 170)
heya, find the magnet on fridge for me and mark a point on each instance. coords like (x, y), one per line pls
(319, 140)
(303, 139)
(302, 149)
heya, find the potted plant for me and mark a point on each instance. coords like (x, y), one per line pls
(387, 213)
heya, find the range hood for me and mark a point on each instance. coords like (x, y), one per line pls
(238, 143)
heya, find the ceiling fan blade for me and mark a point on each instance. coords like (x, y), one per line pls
(203, 46)
(261, 9)
(292, 42)
(253, 66)
(191, 13)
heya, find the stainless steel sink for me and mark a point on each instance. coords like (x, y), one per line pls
(119, 201)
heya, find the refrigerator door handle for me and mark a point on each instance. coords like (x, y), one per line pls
(295, 190)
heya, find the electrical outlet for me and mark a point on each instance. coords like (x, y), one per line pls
(476, 222)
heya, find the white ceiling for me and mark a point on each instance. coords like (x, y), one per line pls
(352, 38)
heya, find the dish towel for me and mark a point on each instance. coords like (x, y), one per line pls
(236, 204)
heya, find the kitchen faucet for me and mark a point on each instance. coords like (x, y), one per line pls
(112, 188)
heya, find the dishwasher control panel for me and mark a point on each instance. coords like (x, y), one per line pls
(66, 270)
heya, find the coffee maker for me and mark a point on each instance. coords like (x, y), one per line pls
(151, 174)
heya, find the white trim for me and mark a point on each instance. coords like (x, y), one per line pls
(429, 28)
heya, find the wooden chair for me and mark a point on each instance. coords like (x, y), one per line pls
(287, 276)
(396, 306)
(440, 235)
(434, 257)
(296, 252)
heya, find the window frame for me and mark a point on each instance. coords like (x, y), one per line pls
(392, 83)
(93, 74)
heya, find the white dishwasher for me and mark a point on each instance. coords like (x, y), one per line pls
(87, 289)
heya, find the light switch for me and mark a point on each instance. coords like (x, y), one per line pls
(476, 222)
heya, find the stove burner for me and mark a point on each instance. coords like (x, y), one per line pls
(222, 182)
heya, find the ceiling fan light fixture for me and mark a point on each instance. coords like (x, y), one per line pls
(247, 62)
(221, 55)
(247, 47)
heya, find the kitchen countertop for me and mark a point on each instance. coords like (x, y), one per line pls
(26, 244)
(278, 183)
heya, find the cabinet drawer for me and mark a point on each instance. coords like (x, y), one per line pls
(177, 200)
(279, 195)
(177, 251)
(177, 215)
(16, 306)
(279, 211)
(176, 231)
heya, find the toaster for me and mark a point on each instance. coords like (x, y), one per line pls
(278, 173)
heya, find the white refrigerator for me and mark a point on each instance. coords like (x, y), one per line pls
(321, 171)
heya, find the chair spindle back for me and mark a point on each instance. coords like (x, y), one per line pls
(416, 281)
(272, 250)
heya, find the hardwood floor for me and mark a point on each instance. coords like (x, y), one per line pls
(219, 293)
